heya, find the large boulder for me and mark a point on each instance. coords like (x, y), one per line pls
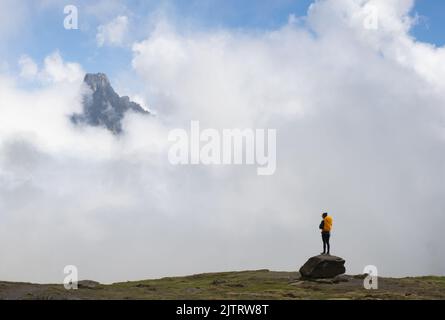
(323, 266)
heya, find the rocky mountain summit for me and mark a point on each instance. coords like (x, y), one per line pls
(102, 106)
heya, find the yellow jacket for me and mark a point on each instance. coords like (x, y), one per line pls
(327, 225)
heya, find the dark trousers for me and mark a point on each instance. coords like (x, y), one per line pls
(325, 237)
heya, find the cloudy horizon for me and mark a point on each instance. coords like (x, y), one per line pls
(358, 112)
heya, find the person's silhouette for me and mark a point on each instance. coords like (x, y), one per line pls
(326, 226)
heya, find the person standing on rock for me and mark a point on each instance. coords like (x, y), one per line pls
(326, 226)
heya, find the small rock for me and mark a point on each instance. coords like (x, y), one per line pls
(236, 285)
(323, 281)
(145, 286)
(341, 278)
(360, 276)
(88, 284)
(217, 282)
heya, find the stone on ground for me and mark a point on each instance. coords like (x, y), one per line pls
(323, 266)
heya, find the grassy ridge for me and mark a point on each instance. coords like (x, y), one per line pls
(257, 284)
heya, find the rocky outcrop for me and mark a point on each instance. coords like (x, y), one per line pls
(88, 284)
(323, 266)
(102, 106)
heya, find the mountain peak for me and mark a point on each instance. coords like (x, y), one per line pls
(95, 80)
(103, 106)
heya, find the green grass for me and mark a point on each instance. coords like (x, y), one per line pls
(256, 284)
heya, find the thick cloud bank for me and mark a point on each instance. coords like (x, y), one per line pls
(359, 115)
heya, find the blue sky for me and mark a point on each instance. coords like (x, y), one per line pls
(432, 24)
(44, 32)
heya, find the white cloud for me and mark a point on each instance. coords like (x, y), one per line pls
(56, 70)
(28, 68)
(359, 118)
(112, 33)
(358, 113)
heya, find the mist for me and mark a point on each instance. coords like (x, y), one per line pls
(359, 116)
